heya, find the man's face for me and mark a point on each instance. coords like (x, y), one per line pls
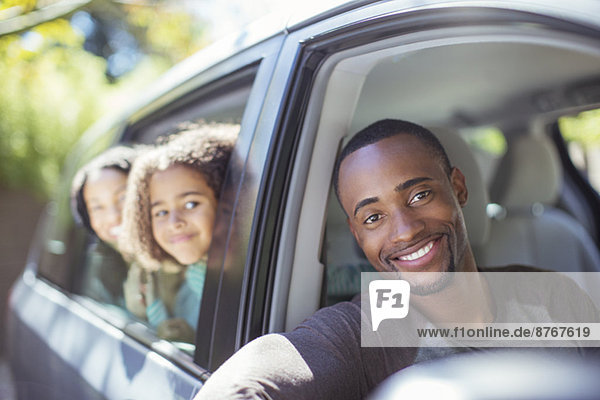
(404, 210)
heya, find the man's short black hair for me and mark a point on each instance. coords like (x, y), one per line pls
(386, 128)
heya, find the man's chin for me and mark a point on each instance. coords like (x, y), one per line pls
(428, 283)
(425, 280)
(412, 268)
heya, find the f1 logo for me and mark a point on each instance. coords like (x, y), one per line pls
(389, 299)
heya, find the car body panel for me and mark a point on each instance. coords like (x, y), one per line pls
(101, 360)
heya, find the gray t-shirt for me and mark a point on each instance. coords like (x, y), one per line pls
(323, 359)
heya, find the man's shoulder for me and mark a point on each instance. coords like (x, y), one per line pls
(560, 295)
(530, 280)
(340, 319)
(513, 268)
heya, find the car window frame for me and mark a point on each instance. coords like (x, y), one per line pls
(315, 43)
(259, 58)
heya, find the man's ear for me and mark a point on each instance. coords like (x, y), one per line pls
(459, 185)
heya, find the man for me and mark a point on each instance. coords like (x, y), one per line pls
(403, 201)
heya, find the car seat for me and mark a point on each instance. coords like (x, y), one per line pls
(526, 228)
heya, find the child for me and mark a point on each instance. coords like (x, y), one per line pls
(169, 214)
(97, 195)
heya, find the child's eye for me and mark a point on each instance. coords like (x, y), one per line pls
(420, 196)
(96, 208)
(191, 204)
(371, 219)
(160, 213)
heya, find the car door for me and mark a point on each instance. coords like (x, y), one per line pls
(66, 344)
(345, 68)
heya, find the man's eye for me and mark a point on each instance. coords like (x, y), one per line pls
(420, 196)
(371, 219)
(191, 204)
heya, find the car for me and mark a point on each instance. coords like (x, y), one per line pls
(495, 80)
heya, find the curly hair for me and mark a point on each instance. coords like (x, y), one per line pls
(205, 148)
(119, 158)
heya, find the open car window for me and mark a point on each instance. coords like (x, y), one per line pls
(483, 83)
(83, 264)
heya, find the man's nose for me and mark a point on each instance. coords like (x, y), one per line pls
(405, 226)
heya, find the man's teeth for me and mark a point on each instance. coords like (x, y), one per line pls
(419, 253)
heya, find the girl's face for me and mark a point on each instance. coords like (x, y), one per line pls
(183, 209)
(104, 193)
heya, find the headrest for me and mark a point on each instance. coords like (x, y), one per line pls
(460, 156)
(528, 173)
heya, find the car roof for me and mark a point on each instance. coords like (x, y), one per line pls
(311, 12)
(307, 13)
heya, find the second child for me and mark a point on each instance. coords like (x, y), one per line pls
(168, 221)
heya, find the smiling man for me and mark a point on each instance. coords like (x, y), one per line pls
(409, 218)
(403, 200)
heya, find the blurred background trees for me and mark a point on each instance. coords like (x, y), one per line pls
(65, 63)
(582, 133)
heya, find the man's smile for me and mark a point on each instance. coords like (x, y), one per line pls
(415, 256)
(419, 253)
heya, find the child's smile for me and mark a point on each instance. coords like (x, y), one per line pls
(183, 210)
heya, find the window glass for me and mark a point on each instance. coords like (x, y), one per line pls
(62, 240)
(582, 134)
(488, 145)
(156, 277)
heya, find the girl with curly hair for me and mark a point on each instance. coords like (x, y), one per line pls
(97, 196)
(168, 221)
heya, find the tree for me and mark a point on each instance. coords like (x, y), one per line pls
(583, 132)
(64, 63)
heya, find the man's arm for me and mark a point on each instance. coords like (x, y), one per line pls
(269, 367)
(321, 359)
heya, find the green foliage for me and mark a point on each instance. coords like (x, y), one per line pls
(22, 6)
(52, 89)
(168, 32)
(583, 128)
(46, 100)
(489, 139)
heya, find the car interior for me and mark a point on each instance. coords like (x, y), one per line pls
(490, 95)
